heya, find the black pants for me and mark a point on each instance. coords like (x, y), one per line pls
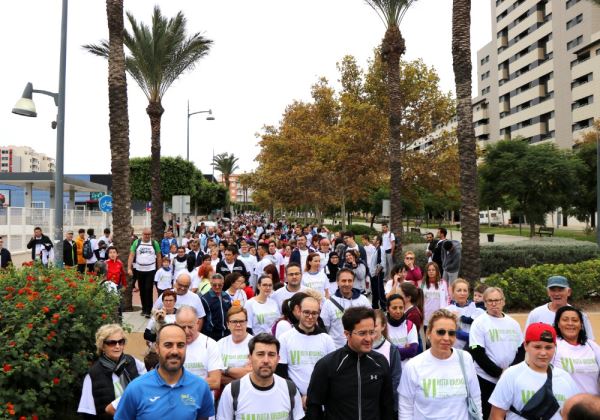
(145, 280)
(487, 388)
(378, 291)
(81, 268)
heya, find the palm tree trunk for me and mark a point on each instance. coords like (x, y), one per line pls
(155, 111)
(392, 49)
(119, 135)
(469, 209)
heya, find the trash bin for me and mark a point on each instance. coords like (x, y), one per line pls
(491, 237)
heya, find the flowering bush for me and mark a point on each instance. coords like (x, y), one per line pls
(48, 320)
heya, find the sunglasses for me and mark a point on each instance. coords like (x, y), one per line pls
(442, 332)
(112, 343)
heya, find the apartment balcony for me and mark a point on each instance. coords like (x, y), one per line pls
(504, 106)
(480, 114)
(529, 94)
(535, 17)
(531, 130)
(503, 73)
(481, 130)
(530, 57)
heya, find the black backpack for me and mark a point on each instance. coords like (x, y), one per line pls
(87, 252)
(235, 393)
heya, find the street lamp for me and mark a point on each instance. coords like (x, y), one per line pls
(26, 107)
(209, 118)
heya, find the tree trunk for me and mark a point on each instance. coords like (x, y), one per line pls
(343, 213)
(531, 229)
(119, 135)
(392, 49)
(469, 209)
(155, 111)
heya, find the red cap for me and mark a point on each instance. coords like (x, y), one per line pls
(540, 332)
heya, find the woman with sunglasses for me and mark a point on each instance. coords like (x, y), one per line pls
(234, 347)
(109, 375)
(496, 342)
(262, 310)
(575, 352)
(434, 385)
(413, 272)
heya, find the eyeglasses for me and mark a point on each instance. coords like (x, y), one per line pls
(442, 332)
(216, 284)
(168, 300)
(493, 301)
(363, 334)
(313, 314)
(409, 258)
(238, 322)
(112, 343)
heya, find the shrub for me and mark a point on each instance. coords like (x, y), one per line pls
(358, 230)
(525, 288)
(413, 238)
(48, 319)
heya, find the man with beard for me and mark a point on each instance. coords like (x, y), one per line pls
(261, 394)
(170, 390)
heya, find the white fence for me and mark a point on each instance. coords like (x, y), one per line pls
(17, 223)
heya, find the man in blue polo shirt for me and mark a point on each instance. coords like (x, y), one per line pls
(169, 390)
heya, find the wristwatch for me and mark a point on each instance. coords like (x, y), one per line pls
(226, 371)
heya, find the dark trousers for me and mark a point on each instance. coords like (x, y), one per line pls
(487, 388)
(90, 267)
(81, 268)
(378, 291)
(145, 280)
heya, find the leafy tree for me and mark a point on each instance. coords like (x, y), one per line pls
(226, 164)
(469, 209)
(391, 13)
(584, 202)
(158, 56)
(530, 180)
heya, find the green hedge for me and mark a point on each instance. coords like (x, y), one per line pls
(358, 230)
(525, 288)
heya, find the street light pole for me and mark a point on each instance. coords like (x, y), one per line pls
(598, 185)
(209, 118)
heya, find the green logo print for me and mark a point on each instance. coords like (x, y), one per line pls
(526, 395)
(295, 357)
(494, 335)
(429, 388)
(260, 318)
(567, 364)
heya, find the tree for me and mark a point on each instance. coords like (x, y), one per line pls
(469, 208)
(530, 180)
(226, 164)
(119, 133)
(158, 56)
(584, 202)
(391, 13)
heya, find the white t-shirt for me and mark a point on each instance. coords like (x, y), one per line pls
(432, 388)
(400, 336)
(234, 354)
(86, 403)
(94, 244)
(434, 299)
(145, 256)
(581, 362)
(545, 315)
(300, 352)
(250, 263)
(283, 293)
(190, 299)
(282, 327)
(317, 281)
(471, 311)
(500, 337)
(259, 268)
(324, 258)
(303, 257)
(239, 295)
(203, 356)
(332, 316)
(163, 278)
(386, 241)
(277, 259)
(179, 267)
(519, 383)
(254, 404)
(262, 316)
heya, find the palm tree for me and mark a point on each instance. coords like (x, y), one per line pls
(469, 208)
(158, 56)
(226, 164)
(391, 13)
(119, 132)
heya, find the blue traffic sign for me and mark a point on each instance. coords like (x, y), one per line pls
(105, 203)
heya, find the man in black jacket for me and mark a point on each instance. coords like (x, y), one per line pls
(39, 243)
(5, 257)
(230, 263)
(69, 250)
(353, 381)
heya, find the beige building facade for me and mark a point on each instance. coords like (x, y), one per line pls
(24, 159)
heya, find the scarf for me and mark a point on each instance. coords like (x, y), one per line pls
(118, 368)
(396, 322)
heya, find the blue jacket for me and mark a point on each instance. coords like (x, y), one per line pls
(216, 311)
(165, 245)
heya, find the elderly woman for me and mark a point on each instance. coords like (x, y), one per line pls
(440, 382)
(234, 347)
(575, 352)
(163, 316)
(109, 375)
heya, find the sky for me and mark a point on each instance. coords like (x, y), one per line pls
(266, 54)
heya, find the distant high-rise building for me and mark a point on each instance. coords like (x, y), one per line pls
(24, 159)
(237, 192)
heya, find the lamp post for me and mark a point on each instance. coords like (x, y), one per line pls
(598, 185)
(25, 106)
(209, 118)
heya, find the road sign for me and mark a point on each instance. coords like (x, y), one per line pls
(105, 203)
(181, 204)
(96, 195)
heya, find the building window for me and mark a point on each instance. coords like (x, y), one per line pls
(580, 125)
(485, 60)
(577, 19)
(575, 42)
(582, 80)
(571, 3)
(485, 75)
(582, 102)
(486, 90)
(598, 51)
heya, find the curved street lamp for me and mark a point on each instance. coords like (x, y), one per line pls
(189, 114)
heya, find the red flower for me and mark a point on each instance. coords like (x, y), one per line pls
(56, 381)
(58, 297)
(20, 305)
(9, 289)
(103, 316)
(45, 309)
(73, 285)
(56, 316)
(30, 325)
(22, 418)
(54, 321)
(34, 417)
(21, 291)
(12, 344)
(70, 308)
(7, 368)
(8, 297)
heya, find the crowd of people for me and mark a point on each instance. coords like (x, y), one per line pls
(258, 319)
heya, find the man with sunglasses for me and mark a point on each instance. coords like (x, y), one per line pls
(354, 381)
(303, 346)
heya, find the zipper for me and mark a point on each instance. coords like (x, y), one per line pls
(359, 388)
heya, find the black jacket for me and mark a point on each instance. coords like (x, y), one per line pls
(69, 253)
(238, 266)
(194, 260)
(350, 386)
(44, 240)
(5, 257)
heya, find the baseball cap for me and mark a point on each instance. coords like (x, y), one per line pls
(540, 332)
(557, 281)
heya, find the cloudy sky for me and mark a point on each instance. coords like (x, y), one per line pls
(266, 53)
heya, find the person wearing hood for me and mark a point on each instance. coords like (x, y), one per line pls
(331, 269)
(344, 297)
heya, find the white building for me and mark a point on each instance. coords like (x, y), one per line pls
(24, 159)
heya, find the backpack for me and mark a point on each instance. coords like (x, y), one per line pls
(235, 392)
(87, 252)
(138, 242)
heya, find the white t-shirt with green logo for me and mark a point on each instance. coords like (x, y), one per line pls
(300, 352)
(332, 316)
(317, 281)
(471, 311)
(202, 356)
(545, 315)
(519, 383)
(400, 336)
(500, 337)
(234, 354)
(432, 388)
(262, 316)
(581, 362)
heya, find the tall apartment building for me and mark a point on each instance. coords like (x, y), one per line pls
(539, 77)
(24, 159)
(237, 193)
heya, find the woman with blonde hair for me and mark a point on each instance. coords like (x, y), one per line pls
(413, 272)
(464, 309)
